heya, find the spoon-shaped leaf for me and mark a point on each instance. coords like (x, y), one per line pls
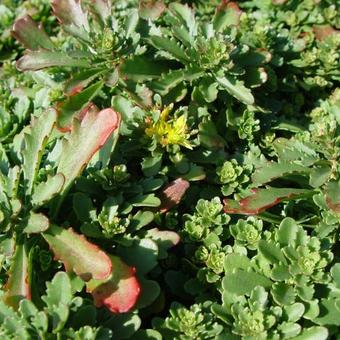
(120, 292)
(17, 286)
(77, 254)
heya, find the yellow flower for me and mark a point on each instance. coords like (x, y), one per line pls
(170, 131)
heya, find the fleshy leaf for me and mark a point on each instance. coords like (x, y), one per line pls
(35, 141)
(332, 196)
(151, 9)
(227, 14)
(58, 291)
(30, 34)
(75, 103)
(120, 292)
(242, 282)
(77, 254)
(272, 170)
(172, 194)
(313, 333)
(236, 89)
(36, 223)
(45, 191)
(261, 200)
(17, 286)
(37, 60)
(102, 8)
(69, 12)
(86, 137)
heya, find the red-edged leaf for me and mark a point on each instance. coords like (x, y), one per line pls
(77, 254)
(151, 9)
(85, 139)
(227, 14)
(37, 60)
(17, 286)
(120, 292)
(332, 196)
(102, 9)
(30, 34)
(172, 194)
(261, 199)
(68, 109)
(69, 12)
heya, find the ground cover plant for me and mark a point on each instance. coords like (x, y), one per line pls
(169, 169)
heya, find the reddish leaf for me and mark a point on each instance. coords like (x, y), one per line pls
(332, 196)
(37, 60)
(85, 139)
(30, 34)
(151, 9)
(102, 8)
(261, 199)
(227, 14)
(69, 12)
(323, 31)
(17, 286)
(120, 292)
(172, 194)
(77, 254)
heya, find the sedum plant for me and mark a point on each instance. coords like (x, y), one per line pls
(169, 169)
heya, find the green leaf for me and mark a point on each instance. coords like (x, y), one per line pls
(83, 207)
(288, 232)
(335, 272)
(85, 139)
(272, 170)
(143, 255)
(124, 325)
(227, 14)
(36, 223)
(313, 333)
(236, 89)
(81, 80)
(45, 191)
(294, 311)
(171, 46)
(242, 282)
(37, 60)
(271, 252)
(283, 294)
(139, 68)
(78, 254)
(150, 290)
(319, 175)
(17, 286)
(57, 299)
(149, 200)
(75, 103)
(58, 291)
(208, 135)
(35, 141)
(165, 240)
(185, 15)
(236, 261)
(262, 199)
(146, 334)
(30, 34)
(329, 313)
(167, 81)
